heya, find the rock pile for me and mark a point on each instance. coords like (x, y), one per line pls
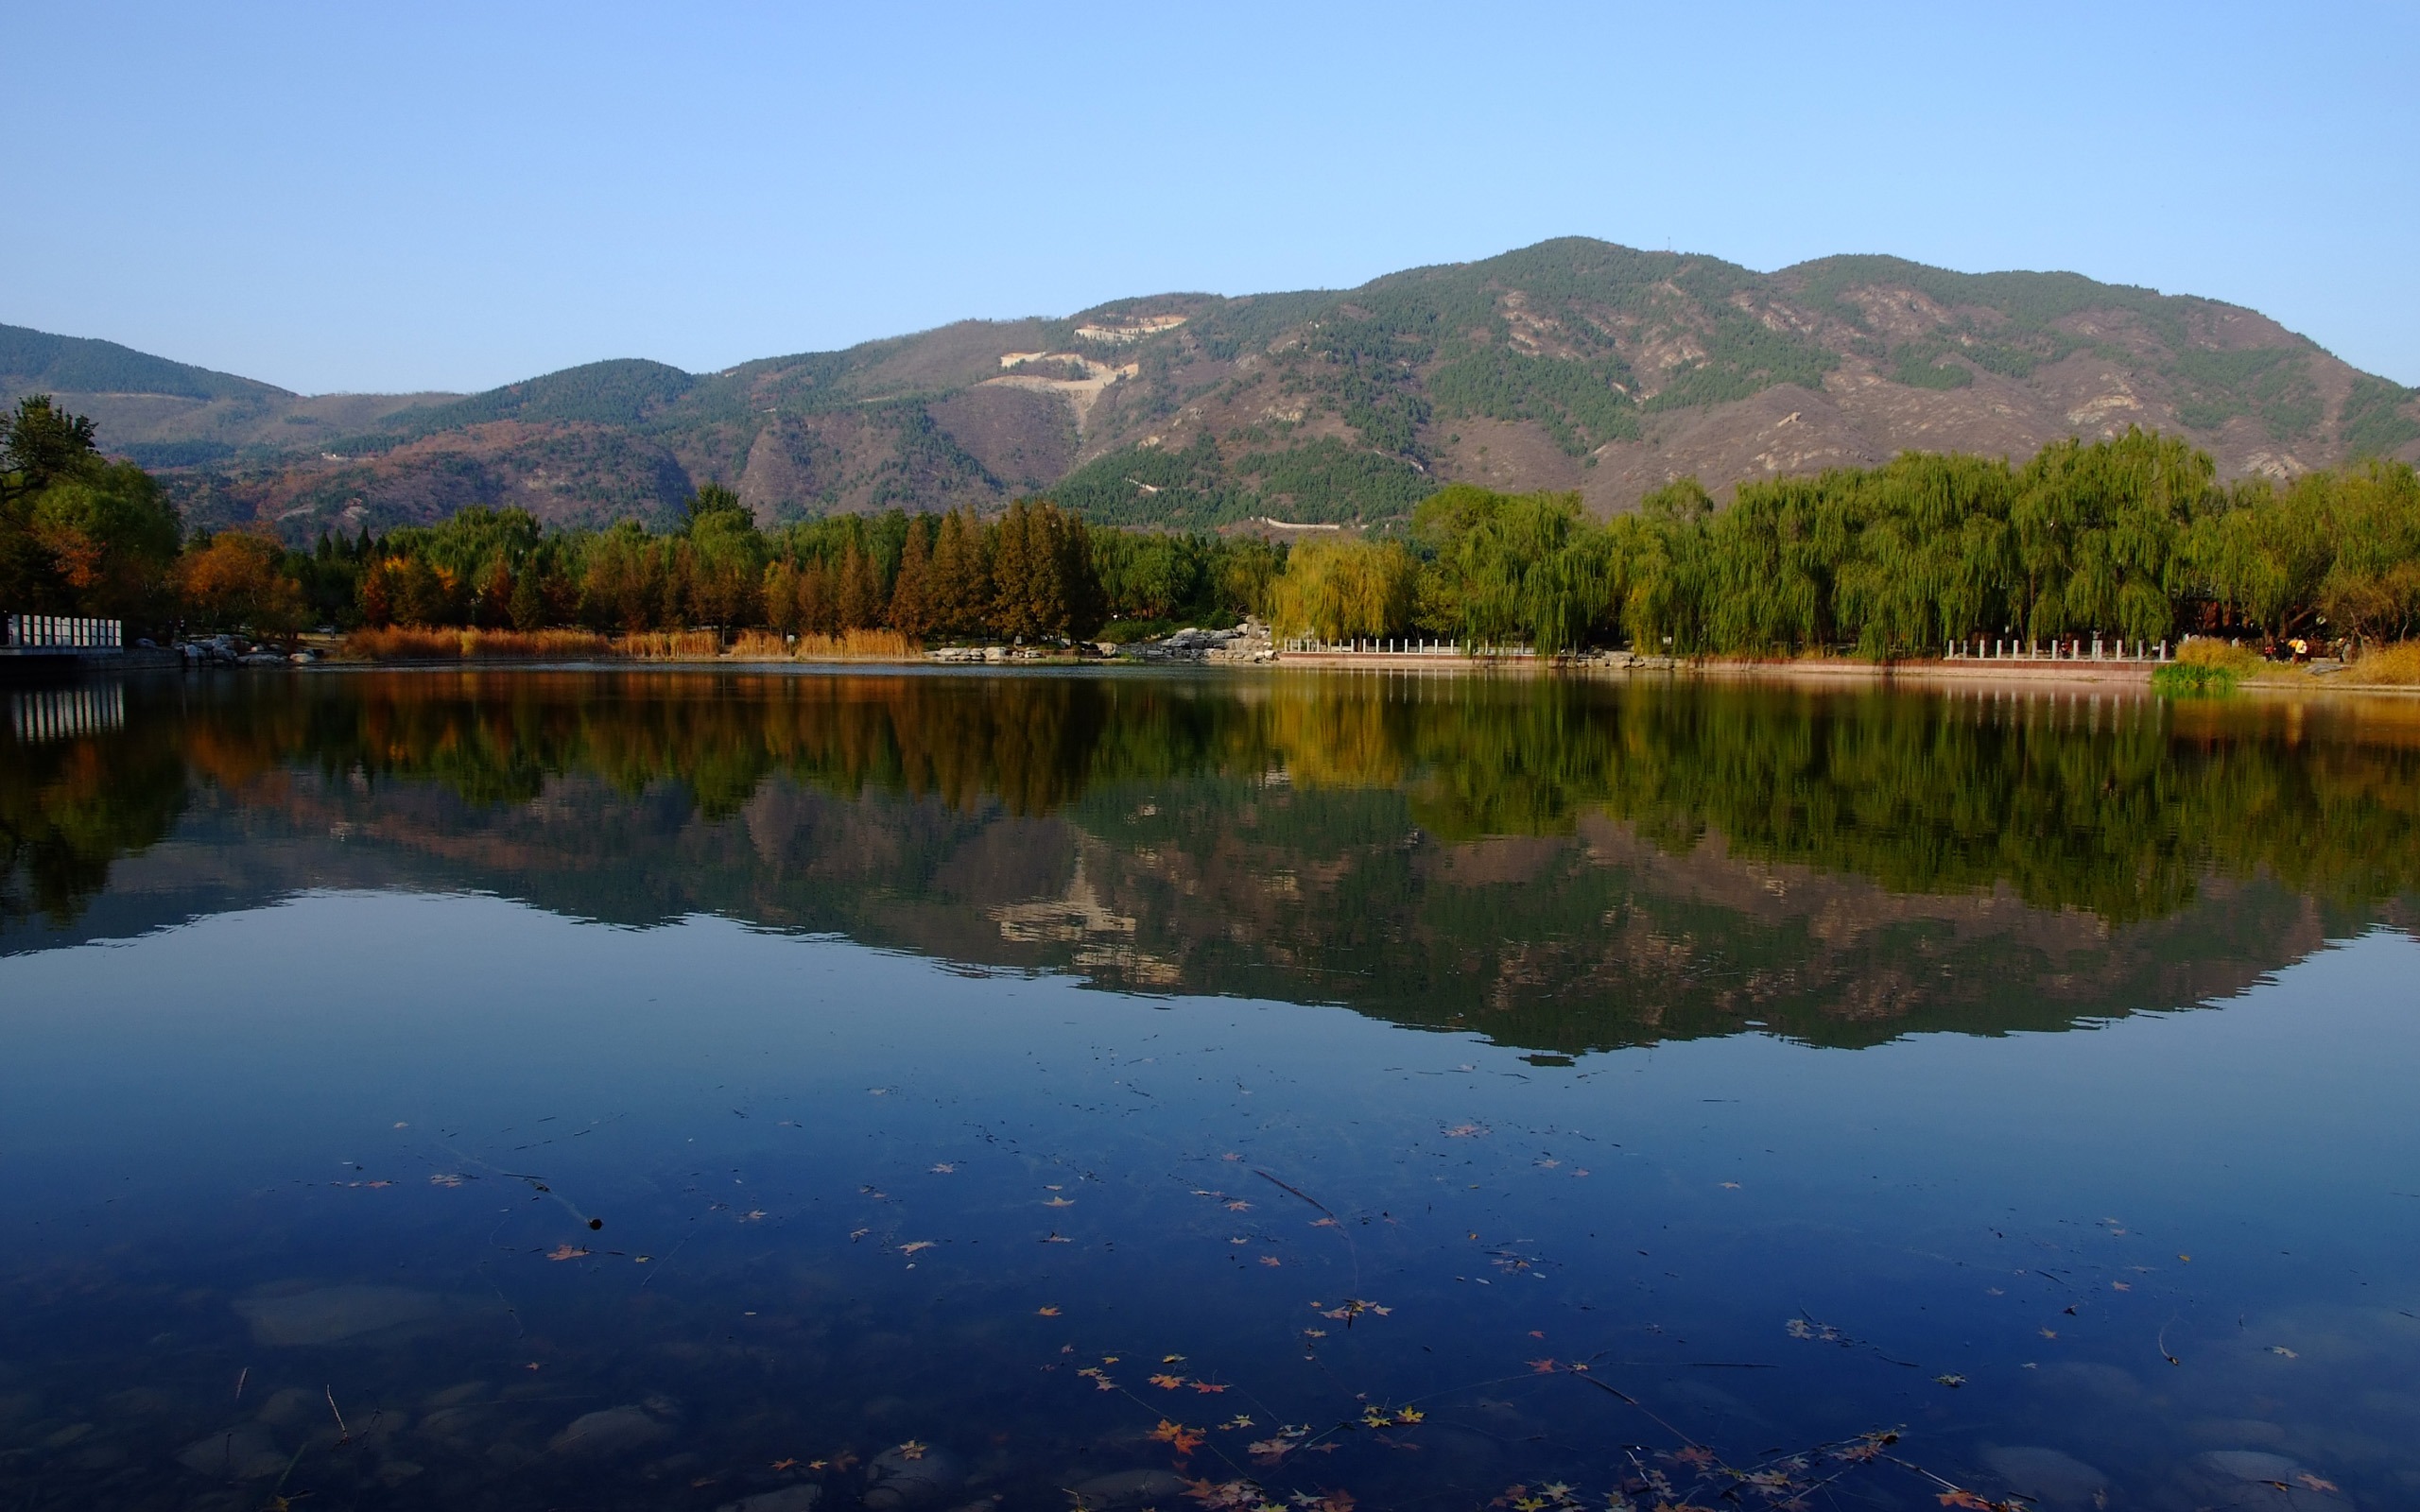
(1248, 641)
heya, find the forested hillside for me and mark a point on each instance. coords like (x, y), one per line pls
(1574, 366)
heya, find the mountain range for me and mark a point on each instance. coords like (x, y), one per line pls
(1574, 363)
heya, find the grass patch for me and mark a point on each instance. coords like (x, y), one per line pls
(2180, 680)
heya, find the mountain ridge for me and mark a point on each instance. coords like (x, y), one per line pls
(1572, 364)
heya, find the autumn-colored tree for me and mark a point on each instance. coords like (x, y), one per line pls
(817, 605)
(491, 595)
(911, 607)
(780, 593)
(857, 592)
(959, 595)
(238, 581)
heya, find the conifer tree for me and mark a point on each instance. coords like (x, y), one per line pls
(912, 604)
(858, 593)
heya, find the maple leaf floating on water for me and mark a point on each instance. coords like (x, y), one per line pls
(1059, 1202)
(1466, 1131)
(565, 1252)
(945, 1168)
(1045, 1311)
(447, 1178)
(1179, 1437)
(915, 1244)
(1271, 1260)
(1168, 1382)
(2279, 1348)
(912, 1450)
(1952, 1382)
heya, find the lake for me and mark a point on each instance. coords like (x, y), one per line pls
(1236, 1090)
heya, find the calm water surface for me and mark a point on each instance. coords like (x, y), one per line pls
(557, 1091)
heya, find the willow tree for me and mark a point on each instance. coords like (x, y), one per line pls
(1344, 590)
(2096, 532)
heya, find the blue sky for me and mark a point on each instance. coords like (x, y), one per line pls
(429, 195)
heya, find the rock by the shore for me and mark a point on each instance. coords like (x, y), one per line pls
(905, 1477)
(242, 1454)
(2249, 1480)
(1129, 1489)
(2048, 1477)
(800, 1498)
(327, 1314)
(611, 1431)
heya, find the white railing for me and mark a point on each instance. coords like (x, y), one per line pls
(2059, 648)
(1394, 646)
(63, 632)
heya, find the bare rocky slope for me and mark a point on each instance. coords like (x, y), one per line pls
(1574, 363)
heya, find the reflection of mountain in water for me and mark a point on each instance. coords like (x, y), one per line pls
(1560, 866)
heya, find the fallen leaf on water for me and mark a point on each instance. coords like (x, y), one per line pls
(1952, 1382)
(565, 1253)
(785, 1464)
(945, 1168)
(1239, 1205)
(2279, 1348)
(447, 1180)
(2315, 1483)
(1059, 1202)
(1182, 1439)
(1045, 1311)
(912, 1450)
(1271, 1260)
(1055, 1237)
(1544, 1368)
(1207, 1388)
(2050, 1334)
(1733, 1186)
(1168, 1383)
(1466, 1131)
(915, 1244)
(2120, 1286)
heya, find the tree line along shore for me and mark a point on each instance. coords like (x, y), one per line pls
(2132, 537)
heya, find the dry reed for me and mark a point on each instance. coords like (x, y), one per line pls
(849, 646)
(668, 646)
(2397, 664)
(397, 642)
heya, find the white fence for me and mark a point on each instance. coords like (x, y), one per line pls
(1394, 646)
(2063, 648)
(58, 633)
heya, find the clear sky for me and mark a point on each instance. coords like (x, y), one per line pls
(341, 196)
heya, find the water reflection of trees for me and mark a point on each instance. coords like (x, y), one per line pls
(1455, 848)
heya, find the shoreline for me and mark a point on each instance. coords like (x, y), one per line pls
(2114, 677)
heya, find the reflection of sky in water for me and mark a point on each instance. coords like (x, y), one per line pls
(1768, 1247)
